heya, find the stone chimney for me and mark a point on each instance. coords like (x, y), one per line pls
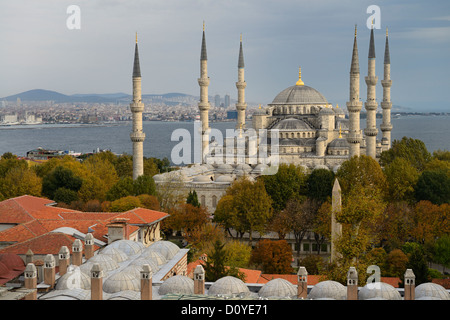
(30, 275)
(89, 246)
(63, 260)
(96, 282)
(118, 230)
(77, 252)
(199, 280)
(410, 285)
(352, 284)
(49, 270)
(302, 283)
(146, 282)
(29, 257)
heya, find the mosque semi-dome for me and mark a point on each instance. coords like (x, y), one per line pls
(292, 124)
(299, 94)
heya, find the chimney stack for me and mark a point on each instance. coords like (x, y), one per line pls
(29, 257)
(63, 260)
(89, 246)
(49, 270)
(96, 282)
(199, 280)
(302, 283)
(77, 252)
(118, 230)
(146, 282)
(410, 285)
(30, 275)
(352, 284)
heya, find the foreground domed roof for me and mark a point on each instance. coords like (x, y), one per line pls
(74, 279)
(328, 289)
(178, 284)
(292, 124)
(379, 290)
(166, 248)
(121, 281)
(228, 285)
(129, 247)
(279, 288)
(299, 95)
(430, 290)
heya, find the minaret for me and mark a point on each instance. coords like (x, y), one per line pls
(354, 105)
(204, 104)
(386, 104)
(240, 85)
(371, 104)
(137, 136)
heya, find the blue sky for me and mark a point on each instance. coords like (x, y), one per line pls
(39, 52)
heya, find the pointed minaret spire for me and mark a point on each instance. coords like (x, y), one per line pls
(371, 104)
(241, 105)
(136, 66)
(137, 136)
(386, 104)
(354, 105)
(204, 104)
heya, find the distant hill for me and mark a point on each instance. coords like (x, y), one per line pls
(172, 98)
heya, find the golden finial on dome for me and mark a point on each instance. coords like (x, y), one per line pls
(136, 37)
(340, 132)
(337, 106)
(299, 82)
(386, 31)
(260, 106)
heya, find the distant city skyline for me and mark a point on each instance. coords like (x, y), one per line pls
(39, 51)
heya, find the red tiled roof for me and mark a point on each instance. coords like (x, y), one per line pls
(36, 217)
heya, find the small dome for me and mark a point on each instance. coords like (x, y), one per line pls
(141, 261)
(279, 288)
(67, 294)
(106, 262)
(259, 168)
(292, 124)
(177, 285)
(158, 177)
(328, 289)
(326, 111)
(154, 255)
(338, 110)
(431, 290)
(260, 112)
(166, 248)
(339, 143)
(228, 285)
(121, 281)
(379, 290)
(129, 247)
(74, 279)
(114, 253)
(224, 179)
(299, 95)
(224, 168)
(202, 179)
(321, 166)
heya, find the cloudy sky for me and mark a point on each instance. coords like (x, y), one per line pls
(39, 51)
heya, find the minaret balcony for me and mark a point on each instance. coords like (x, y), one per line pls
(136, 107)
(386, 127)
(354, 106)
(204, 106)
(241, 85)
(371, 80)
(354, 137)
(203, 82)
(137, 136)
(370, 132)
(371, 105)
(386, 105)
(386, 83)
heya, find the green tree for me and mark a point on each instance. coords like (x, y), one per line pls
(215, 266)
(413, 150)
(237, 254)
(60, 177)
(65, 195)
(433, 186)
(125, 204)
(441, 252)
(192, 199)
(417, 262)
(319, 184)
(122, 188)
(288, 183)
(20, 181)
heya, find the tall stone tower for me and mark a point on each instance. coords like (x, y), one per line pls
(241, 105)
(354, 105)
(386, 104)
(137, 136)
(336, 227)
(204, 104)
(371, 104)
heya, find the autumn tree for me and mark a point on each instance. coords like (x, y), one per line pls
(186, 218)
(288, 183)
(273, 256)
(401, 178)
(19, 181)
(395, 225)
(430, 222)
(125, 204)
(248, 207)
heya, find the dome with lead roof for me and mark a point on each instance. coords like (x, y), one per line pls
(379, 290)
(299, 95)
(431, 291)
(228, 285)
(279, 288)
(328, 289)
(292, 124)
(178, 284)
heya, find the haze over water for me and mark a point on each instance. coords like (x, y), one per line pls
(434, 131)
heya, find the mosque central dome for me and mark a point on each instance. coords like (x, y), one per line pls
(299, 95)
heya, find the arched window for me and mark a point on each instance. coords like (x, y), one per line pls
(203, 201)
(214, 201)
